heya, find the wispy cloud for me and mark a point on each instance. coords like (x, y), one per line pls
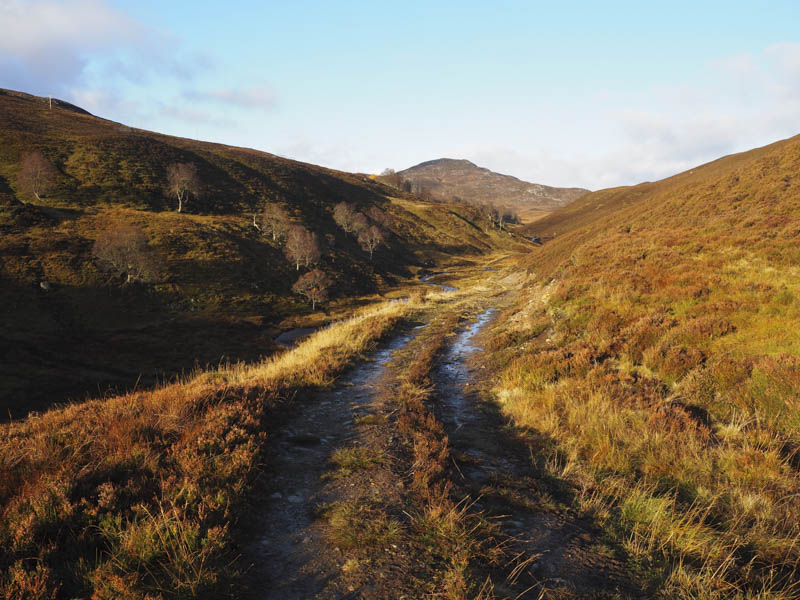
(195, 116)
(48, 44)
(258, 98)
(88, 52)
(261, 97)
(744, 101)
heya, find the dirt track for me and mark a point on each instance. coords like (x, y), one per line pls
(550, 552)
(494, 470)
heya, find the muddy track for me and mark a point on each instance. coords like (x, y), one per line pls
(289, 557)
(290, 551)
(558, 553)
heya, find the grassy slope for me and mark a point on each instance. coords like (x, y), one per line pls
(225, 290)
(132, 496)
(657, 360)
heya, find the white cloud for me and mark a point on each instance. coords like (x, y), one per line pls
(31, 28)
(745, 101)
(88, 52)
(48, 43)
(343, 156)
(195, 116)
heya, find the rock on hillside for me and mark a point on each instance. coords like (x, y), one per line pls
(446, 178)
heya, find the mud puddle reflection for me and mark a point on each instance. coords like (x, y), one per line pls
(455, 371)
(427, 279)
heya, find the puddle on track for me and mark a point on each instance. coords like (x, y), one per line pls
(488, 457)
(454, 369)
(292, 337)
(285, 536)
(444, 286)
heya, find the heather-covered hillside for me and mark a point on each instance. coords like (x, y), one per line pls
(217, 287)
(656, 356)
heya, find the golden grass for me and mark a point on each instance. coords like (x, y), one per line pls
(656, 358)
(131, 496)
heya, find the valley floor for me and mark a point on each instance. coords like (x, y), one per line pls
(379, 458)
(403, 480)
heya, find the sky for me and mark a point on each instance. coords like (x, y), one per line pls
(589, 94)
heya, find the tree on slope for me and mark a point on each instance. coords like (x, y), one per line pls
(126, 252)
(301, 247)
(314, 286)
(360, 223)
(37, 175)
(183, 182)
(379, 217)
(275, 221)
(370, 238)
(343, 214)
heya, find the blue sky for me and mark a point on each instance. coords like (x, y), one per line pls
(585, 93)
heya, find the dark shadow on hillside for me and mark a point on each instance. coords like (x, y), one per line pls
(5, 188)
(58, 345)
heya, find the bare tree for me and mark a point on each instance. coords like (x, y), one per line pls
(390, 177)
(370, 238)
(502, 215)
(314, 286)
(125, 251)
(301, 247)
(36, 175)
(275, 221)
(183, 181)
(343, 214)
(494, 215)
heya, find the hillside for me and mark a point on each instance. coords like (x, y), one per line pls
(612, 413)
(448, 178)
(655, 357)
(71, 327)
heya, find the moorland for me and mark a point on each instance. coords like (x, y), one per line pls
(609, 411)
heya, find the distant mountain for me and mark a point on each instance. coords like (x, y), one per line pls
(446, 178)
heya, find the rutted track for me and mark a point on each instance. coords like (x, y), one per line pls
(558, 551)
(291, 551)
(290, 559)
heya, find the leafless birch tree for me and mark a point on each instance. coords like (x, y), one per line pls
(302, 247)
(370, 238)
(37, 175)
(343, 214)
(314, 286)
(183, 182)
(126, 252)
(275, 221)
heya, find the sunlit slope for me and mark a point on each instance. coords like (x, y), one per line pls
(656, 356)
(749, 198)
(102, 161)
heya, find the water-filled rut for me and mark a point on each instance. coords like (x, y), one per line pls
(494, 469)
